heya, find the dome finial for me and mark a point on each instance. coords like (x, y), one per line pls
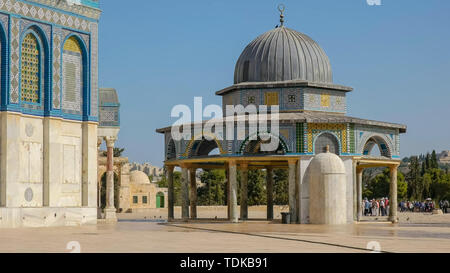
(281, 9)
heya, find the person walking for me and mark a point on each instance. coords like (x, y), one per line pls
(382, 207)
(367, 208)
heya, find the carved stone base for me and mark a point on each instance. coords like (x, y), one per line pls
(110, 215)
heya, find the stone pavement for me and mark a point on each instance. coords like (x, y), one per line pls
(253, 236)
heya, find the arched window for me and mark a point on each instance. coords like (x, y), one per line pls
(376, 146)
(31, 70)
(254, 147)
(72, 102)
(324, 140)
(171, 150)
(204, 147)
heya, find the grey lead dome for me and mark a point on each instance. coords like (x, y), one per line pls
(283, 54)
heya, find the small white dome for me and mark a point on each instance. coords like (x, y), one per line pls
(138, 177)
(327, 163)
(327, 178)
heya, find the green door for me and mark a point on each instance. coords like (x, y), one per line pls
(160, 200)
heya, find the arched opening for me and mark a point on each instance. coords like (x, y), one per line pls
(34, 70)
(376, 146)
(326, 140)
(171, 150)
(160, 200)
(74, 76)
(31, 69)
(103, 191)
(204, 147)
(254, 147)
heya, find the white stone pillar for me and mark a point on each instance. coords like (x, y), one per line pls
(234, 218)
(269, 188)
(110, 210)
(99, 182)
(184, 193)
(292, 190)
(170, 194)
(89, 164)
(393, 204)
(227, 191)
(244, 191)
(359, 176)
(193, 193)
(355, 192)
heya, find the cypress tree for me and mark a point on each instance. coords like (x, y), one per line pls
(434, 160)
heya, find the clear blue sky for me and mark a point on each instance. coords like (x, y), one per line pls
(161, 53)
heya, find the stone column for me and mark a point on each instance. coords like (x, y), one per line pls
(359, 176)
(227, 191)
(269, 188)
(193, 193)
(170, 194)
(110, 210)
(184, 193)
(99, 182)
(234, 218)
(393, 196)
(292, 190)
(355, 192)
(244, 191)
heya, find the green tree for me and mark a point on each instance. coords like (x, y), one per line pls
(426, 185)
(280, 187)
(379, 186)
(414, 179)
(213, 191)
(257, 194)
(117, 152)
(434, 161)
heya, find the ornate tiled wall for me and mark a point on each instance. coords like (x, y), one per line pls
(72, 77)
(94, 68)
(54, 21)
(57, 48)
(291, 99)
(324, 100)
(315, 129)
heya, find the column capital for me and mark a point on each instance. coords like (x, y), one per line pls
(169, 167)
(110, 141)
(232, 163)
(292, 161)
(244, 165)
(394, 167)
(184, 165)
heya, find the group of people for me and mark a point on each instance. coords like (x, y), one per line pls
(417, 206)
(380, 206)
(444, 205)
(376, 207)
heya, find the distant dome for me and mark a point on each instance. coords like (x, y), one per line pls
(138, 177)
(283, 54)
